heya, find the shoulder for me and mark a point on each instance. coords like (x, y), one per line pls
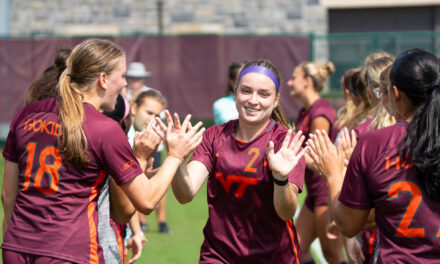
(46, 106)
(99, 127)
(381, 140)
(221, 129)
(322, 108)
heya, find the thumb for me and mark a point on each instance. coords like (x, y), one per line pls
(270, 149)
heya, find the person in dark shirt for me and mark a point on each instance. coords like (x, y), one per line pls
(394, 169)
(254, 171)
(59, 152)
(307, 81)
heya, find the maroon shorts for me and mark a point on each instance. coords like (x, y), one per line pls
(14, 257)
(317, 190)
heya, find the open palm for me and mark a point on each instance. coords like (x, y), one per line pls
(285, 160)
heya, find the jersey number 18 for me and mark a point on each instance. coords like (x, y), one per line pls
(44, 167)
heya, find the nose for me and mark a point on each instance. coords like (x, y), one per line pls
(289, 82)
(253, 99)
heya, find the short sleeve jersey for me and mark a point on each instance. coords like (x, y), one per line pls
(407, 219)
(55, 212)
(243, 226)
(316, 185)
(362, 128)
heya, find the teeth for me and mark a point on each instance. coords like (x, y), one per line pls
(251, 110)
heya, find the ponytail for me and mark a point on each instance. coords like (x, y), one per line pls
(72, 141)
(417, 73)
(279, 115)
(87, 61)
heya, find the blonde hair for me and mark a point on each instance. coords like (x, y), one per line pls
(375, 68)
(88, 60)
(370, 58)
(345, 113)
(383, 118)
(318, 73)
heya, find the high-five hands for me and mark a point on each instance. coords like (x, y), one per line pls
(180, 139)
(329, 159)
(146, 142)
(285, 160)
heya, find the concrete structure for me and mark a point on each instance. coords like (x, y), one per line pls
(112, 17)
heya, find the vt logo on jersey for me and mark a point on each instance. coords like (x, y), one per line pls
(243, 181)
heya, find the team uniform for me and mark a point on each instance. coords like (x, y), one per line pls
(369, 239)
(407, 219)
(55, 212)
(317, 189)
(243, 226)
(362, 128)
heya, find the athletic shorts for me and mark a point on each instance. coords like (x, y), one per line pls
(317, 190)
(14, 257)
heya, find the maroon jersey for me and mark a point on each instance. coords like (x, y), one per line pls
(408, 220)
(362, 128)
(55, 211)
(316, 186)
(243, 226)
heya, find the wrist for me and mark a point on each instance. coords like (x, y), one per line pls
(280, 181)
(175, 155)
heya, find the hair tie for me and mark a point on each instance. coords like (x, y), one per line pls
(262, 70)
(72, 79)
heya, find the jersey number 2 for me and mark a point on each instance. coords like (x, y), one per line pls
(45, 167)
(404, 229)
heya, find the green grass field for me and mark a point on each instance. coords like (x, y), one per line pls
(186, 221)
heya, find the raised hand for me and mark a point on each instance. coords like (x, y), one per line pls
(180, 139)
(285, 160)
(328, 158)
(348, 143)
(146, 142)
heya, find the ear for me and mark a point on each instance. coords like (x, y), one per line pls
(277, 100)
(103, 80)
(396, 93)
(133, 108)
(309, 81)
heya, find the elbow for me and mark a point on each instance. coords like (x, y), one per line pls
(346, 228)
(124, 216)
(147, 208)
(185, 200)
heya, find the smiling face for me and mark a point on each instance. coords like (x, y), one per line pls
(149, 108)
(114, 83)
(298, 82)
(256, 97)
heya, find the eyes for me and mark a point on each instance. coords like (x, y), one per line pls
(248, 91)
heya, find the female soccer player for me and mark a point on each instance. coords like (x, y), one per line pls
(308, 79)
(254, 175)
(395, 169)
(59, 152)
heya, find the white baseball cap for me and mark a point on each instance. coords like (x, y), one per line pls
(137, 70)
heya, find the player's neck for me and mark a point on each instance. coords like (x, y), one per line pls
(247, 132)
(308, 99)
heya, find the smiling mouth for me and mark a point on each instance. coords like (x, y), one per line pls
(251, 110)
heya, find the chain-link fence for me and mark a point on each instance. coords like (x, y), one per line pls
(348, 50)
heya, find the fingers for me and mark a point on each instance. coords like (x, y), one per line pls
(168, 117)
(353, 138)
(160, 123)
(328, 142)
(135, 256)
(321, 140)
(185, 122)
(271, 148)
(286, 140)
(193, 129)
(177, 121)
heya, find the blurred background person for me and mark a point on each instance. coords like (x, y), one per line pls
(136, 76)
(224, 108)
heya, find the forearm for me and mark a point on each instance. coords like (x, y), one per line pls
(135, 224)
(182, 185)
(158, 185)
(285, 200)
(334, 187)
(121, 209)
